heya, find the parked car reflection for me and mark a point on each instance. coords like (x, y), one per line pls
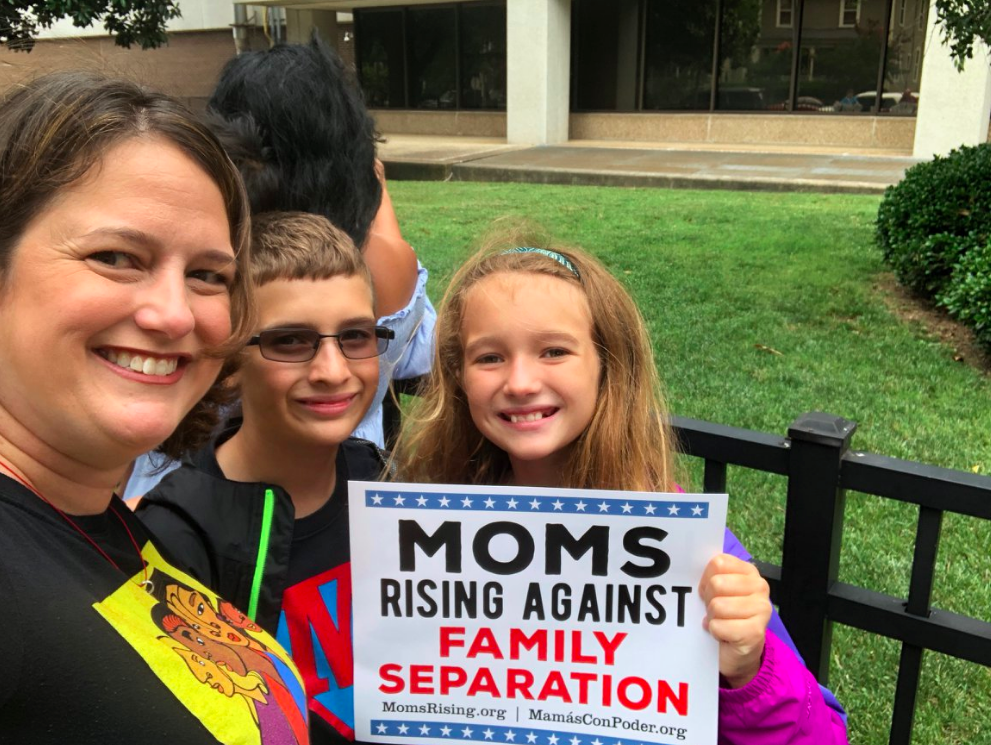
(731, 98)
(802, 103)
(888, 99)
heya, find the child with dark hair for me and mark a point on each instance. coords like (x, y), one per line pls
(307, 143)
(294, 121)
(316, 133)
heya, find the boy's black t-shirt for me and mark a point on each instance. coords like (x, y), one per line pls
(89, 656)
(315, 622)
(321, 540)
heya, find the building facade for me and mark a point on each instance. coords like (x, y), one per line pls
(769, 73)
(842, 73)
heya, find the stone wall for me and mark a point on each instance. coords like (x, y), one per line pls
(812, 130)
(441, 123)
(860, 132)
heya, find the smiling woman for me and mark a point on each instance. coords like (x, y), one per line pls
(140, 250)
(123, 249)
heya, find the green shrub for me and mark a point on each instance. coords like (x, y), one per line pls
(967, 296)
(930, 220)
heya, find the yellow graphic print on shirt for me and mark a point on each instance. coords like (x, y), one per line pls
(228, 672)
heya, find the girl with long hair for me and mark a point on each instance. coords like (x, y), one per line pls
(544, 376)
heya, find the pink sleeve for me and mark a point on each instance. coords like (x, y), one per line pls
(781, 706)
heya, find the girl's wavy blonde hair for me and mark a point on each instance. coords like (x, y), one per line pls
(628, 445)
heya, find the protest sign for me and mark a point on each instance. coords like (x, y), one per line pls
(532, 616)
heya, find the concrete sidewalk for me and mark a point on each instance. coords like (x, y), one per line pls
(670, 165)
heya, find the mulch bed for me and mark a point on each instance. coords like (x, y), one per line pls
(935, 322)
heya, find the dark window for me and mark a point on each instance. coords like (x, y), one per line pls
(849, 13)
(432, 42)
(433, 57)
(840, 64)
(678, 57)
(634, 55)
(906, 45)
(785, 10)
(483, 56)
(606, 38)
(754, 57)
(382, 67)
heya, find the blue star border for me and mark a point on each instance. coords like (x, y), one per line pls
(505, 735)
(522, 504)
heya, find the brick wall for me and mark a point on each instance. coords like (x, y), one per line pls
(187, 68)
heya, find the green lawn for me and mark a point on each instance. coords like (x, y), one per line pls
(724, 277)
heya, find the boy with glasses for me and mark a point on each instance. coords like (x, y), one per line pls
(260, 515)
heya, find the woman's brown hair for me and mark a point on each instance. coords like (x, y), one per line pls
(57, 128)
(628, 444)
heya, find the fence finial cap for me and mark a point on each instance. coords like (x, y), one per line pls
(822, 428)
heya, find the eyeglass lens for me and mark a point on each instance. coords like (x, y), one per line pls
(299, 345)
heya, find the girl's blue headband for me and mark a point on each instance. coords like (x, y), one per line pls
(549, 254)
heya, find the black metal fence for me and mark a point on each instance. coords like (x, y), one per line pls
(820, 467)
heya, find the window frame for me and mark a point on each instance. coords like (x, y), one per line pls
(790, 10)
(406, 11)
(845, 9)
(800, 67)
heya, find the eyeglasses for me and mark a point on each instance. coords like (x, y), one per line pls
(300, 345)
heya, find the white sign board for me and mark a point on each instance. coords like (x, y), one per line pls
(532, 616)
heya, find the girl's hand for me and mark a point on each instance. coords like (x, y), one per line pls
(738, 609)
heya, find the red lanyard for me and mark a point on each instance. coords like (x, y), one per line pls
(20, 478)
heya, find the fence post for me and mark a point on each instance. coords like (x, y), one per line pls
(813, 531)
